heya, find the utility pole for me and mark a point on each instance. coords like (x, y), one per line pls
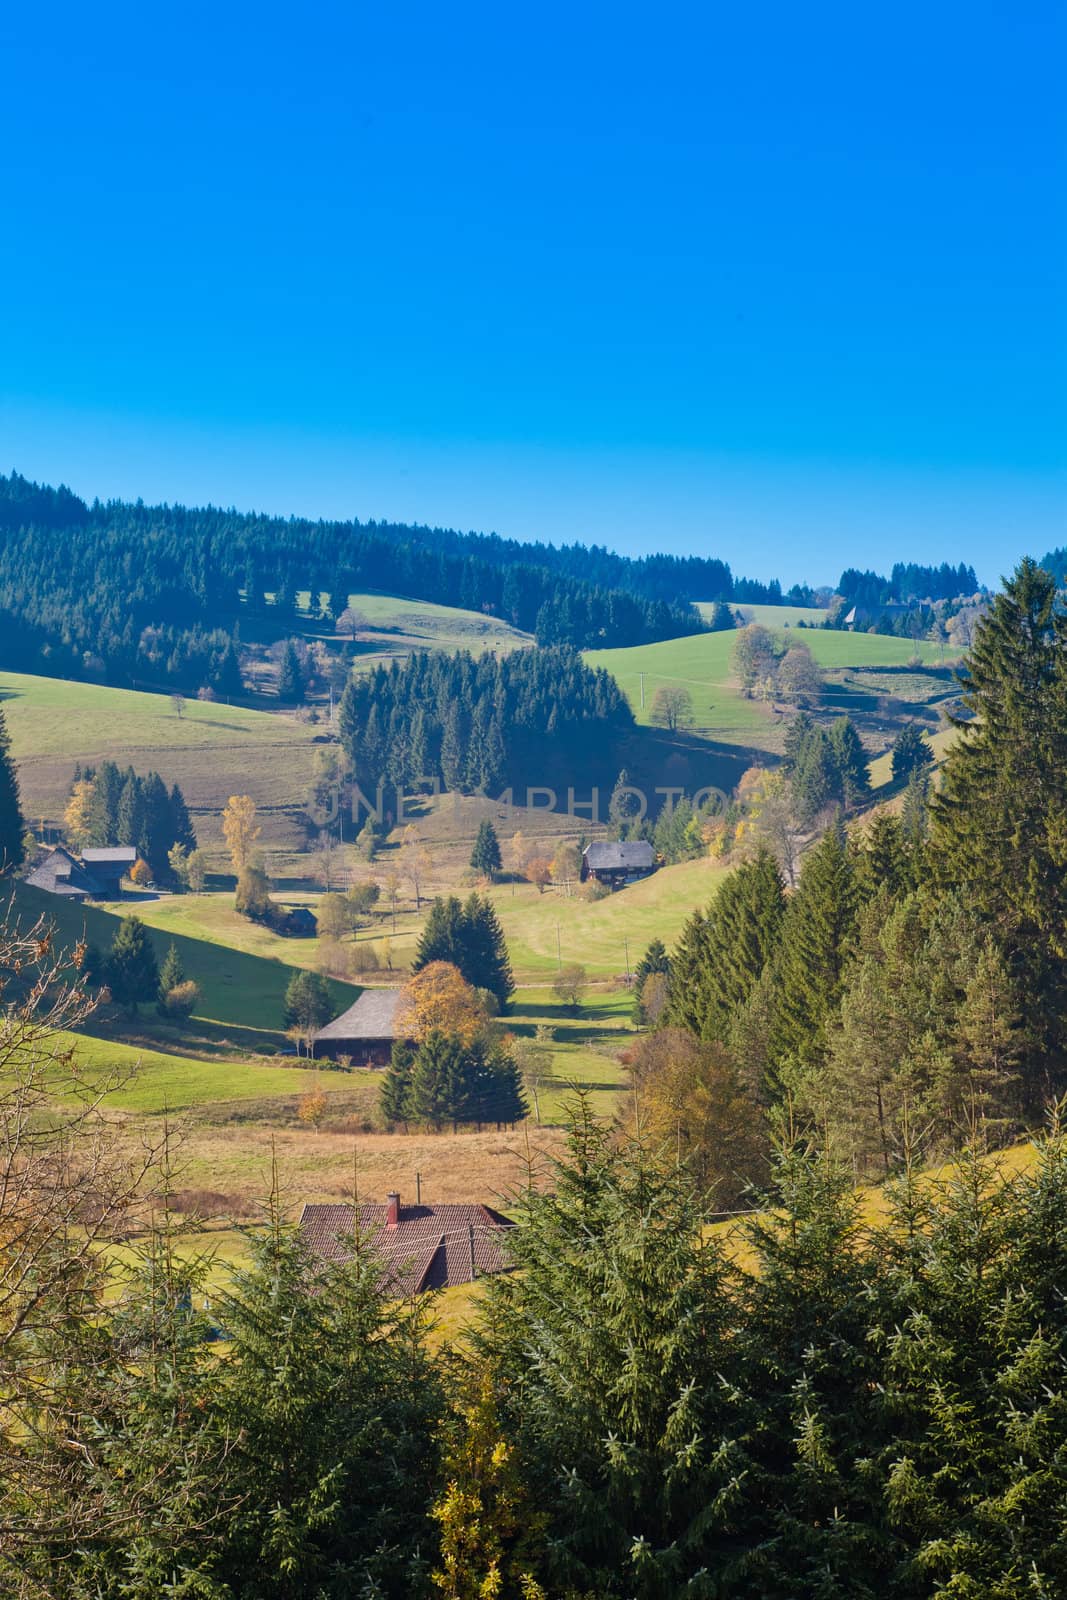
(626, 947)
(559, 954)
(642, 677)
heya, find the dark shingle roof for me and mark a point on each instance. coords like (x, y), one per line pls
(428, 1248)
(372, 1016)
(114, 855)
(59, 873)
(605, 856)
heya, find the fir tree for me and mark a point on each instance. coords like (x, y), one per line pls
(291, 685)
(129, 818)
(157, 825)
(485, 963)
(440, 1081)
(485, 856)
(655, 959)
(12, 826)
(172, 972)
(181, 827)
(911, 753)
(132, 973)
(104, 806)
(817, 943)
(395, 1096)
(850, 761)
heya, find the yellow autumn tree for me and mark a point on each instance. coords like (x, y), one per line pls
(76, 818)
(440, 997)
(240, 830)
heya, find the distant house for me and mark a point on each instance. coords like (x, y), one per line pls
(616, 863)
(367, 1031)
(63, 874)
(421, 1247)
(864, 617)
(109, 867)
(299, 922)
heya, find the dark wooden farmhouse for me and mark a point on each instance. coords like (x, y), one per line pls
(616, 863)
(367, 1031)
(109, 867)
(421, 1247)
(63, 874)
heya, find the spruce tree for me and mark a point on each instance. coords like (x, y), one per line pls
(442, 935)
(816, 946)
(999, 819)
(438, 1080)
(291, 685)
(395, 1096)
(655, 959)
(132, 973)
(850, 761)
(104, 805)
(172, 973)
(486, 857)
(157, 828)
(485, 963)
(744, 926)
(12, 826)
(129, 817)
(182, 831)
(911, 753)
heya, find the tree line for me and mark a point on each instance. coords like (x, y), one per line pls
(109, 806)
(916, 973)
(480, 724)
(908, 580)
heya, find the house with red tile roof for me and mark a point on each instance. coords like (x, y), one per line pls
(421, 1247)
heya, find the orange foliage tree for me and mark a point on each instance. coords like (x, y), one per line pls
(440, 997)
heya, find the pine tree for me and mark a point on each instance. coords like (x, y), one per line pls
(129, 819)
(485, 963)
(395, 1096)
(157, 827)
(12, 826)
(172, 972)
(486, 857)
(655, 959)
(850, 761)
(999, 820)
(291, 685)
(181, 827)
(104, 805)
(816, 946)
(911, 753)
(132, 973)
(438, 1080)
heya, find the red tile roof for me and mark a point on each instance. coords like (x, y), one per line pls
(429, 1247)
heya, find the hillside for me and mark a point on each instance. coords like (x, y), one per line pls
(867, 676)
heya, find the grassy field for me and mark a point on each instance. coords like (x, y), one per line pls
(396, 627)
(212, 750)
(241, 994)
(702, 664)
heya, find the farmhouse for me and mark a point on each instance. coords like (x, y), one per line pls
(109, 867)
(367, 1031)
(63, 874)
(618, 863)
(421, 1247)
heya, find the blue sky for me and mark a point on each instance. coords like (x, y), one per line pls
(777, 283)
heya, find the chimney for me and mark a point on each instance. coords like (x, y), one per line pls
(392, 1209)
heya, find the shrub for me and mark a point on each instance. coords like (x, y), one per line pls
(181, 1001)
(362, 958)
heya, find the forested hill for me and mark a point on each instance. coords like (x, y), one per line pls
(156, 593)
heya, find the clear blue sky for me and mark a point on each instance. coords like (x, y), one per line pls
(780, 283)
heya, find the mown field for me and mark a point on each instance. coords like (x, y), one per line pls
(212, 750)
(865, 676)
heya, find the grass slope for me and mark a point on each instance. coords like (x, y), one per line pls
(212, 750)
(241, 995)
(702, 664)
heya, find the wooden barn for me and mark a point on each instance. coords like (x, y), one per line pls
(615, 862)
(367, 1031)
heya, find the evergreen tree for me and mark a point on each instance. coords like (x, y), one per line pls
(886, 866)
(12, 826)
(485, 963)
(157, 825)
(291, 685)
(999, 820)
(850, 761)
(442, 937)
(911, 752)
(172, 972)
(132, 973)
(329, 1404)
(744, 926)
(395, 1096)
(181, 827)
(307, 1002)
(499, 1093)
(655, 959)
(104, 806)
(129, 821)
(440, 1080)
(486, 857)
(816, 946)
